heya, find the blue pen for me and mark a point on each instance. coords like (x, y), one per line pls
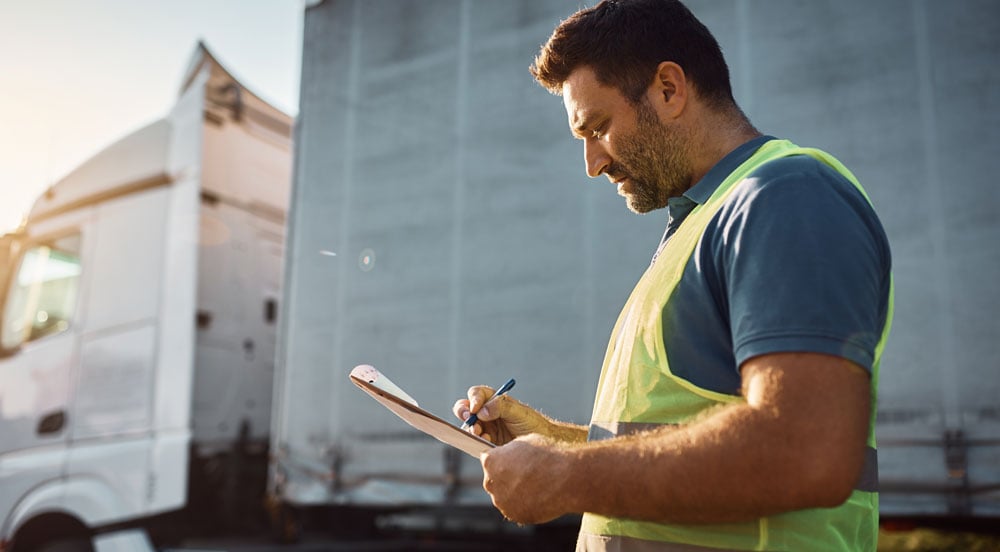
(503, 389)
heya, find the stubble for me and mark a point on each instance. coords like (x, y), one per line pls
(654, 161)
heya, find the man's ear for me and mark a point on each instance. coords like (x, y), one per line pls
(670, 89)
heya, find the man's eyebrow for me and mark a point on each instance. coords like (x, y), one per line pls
(582, 124)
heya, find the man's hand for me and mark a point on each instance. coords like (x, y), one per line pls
(502, 420)
(525, 479)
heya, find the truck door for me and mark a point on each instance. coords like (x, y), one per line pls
(38, 341)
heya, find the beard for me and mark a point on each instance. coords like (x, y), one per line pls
(654, 160)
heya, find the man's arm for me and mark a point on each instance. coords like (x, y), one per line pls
(798, 442)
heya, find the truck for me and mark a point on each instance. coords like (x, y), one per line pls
(139, 311)
(441, 230)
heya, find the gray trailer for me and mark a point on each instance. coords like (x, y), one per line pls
(443, 230)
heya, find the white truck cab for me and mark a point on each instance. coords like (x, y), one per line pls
(101, 308)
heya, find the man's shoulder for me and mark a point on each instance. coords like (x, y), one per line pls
(802, 189)
(793, 168)
(796, 181)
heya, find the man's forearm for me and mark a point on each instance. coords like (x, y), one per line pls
(567, 432)
(734, 466)
(693, 474)
(561, 431)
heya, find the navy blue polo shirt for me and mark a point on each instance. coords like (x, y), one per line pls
(796, 260)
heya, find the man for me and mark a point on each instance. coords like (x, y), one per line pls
(735, 406)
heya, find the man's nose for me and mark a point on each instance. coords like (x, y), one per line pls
(596, 157)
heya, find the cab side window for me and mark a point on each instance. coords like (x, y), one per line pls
(42, 292)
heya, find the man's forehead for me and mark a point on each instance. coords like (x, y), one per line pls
(581, 83)
(581, 93)
(586, 99)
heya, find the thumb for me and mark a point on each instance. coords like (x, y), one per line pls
(495, 408)
(479, 395)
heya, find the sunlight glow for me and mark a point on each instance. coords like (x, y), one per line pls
(79, 75)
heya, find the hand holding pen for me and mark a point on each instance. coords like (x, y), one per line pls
(472, 419)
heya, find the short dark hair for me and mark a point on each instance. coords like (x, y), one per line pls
(623, 42)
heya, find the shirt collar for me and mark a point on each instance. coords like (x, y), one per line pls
(704, 188)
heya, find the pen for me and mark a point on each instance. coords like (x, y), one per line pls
(503, 389)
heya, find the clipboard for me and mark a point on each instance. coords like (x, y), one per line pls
(471, 444)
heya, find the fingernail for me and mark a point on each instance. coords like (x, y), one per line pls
(484, 412)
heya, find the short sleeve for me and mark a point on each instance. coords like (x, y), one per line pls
(804, 263)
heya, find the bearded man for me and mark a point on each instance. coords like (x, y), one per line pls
(735, 408)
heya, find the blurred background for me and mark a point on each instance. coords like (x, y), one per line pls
(78, 75)
(238, 202)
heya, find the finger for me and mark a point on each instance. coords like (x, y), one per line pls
(493, 409)
(461, 409)
(478, 396)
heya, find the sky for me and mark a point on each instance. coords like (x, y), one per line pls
(76, 75)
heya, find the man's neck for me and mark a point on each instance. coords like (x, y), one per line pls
(716, 136)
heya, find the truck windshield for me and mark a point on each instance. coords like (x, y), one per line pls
(40, 295)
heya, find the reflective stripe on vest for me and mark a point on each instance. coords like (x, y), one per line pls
(638, 392)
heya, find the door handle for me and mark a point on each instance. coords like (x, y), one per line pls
(52, 422)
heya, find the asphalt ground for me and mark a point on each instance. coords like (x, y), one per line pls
(910, 540)
(420, 543)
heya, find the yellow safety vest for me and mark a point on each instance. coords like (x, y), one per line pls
(637, 391)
